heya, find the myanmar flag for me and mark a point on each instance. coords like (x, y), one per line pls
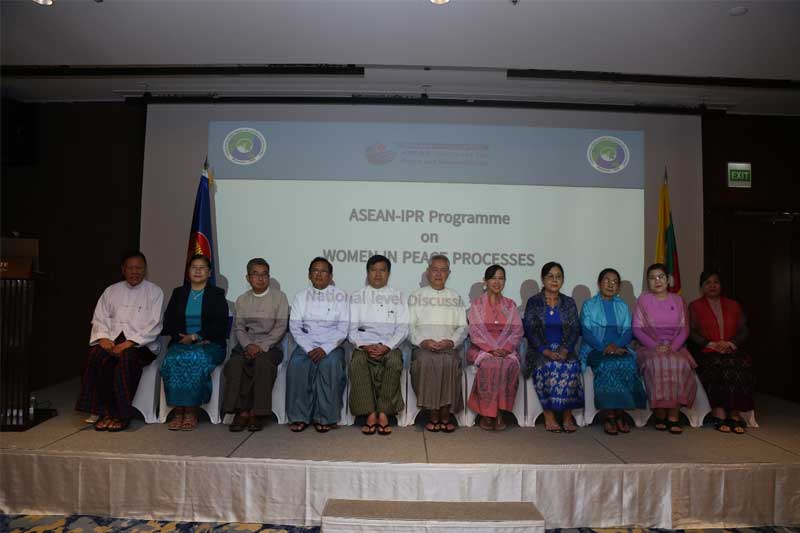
(200, 238)
(666, 244)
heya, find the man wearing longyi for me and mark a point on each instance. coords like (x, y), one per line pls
(315, 377)
(262, 316)
(438, 326)
(378, 325)
(125, 328)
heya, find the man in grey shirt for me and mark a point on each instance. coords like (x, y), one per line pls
(262, 315)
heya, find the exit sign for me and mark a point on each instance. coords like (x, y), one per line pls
(740, 175)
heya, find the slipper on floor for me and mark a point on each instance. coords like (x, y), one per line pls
(369, 429)
(238, 424)
(610, 426)
(721, 425)
(118, 425)
(447, 427)
(674, 427)
(322, 428)
(102, 424)
(660, 424)
(384, 430)
(255, 424)
(433, 427)
(552, 428)
(298, 427)
(176, 423)
(738, 426)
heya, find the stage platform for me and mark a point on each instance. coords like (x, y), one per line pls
(701, 479)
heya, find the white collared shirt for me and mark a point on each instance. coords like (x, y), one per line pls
(378, 316)
(437, 315)
(134, 311)
(320, 318)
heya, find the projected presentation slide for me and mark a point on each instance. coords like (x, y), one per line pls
(480, 194)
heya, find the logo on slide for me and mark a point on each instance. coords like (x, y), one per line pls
(379, 154)
(244, 146)
(608, 154)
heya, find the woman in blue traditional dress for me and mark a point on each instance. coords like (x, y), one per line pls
(552, 328)
(196, 319)
(606, 333)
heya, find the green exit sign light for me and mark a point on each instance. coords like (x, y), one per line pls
(740, 175)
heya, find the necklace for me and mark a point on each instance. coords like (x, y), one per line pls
(196, 295)
(551, 308)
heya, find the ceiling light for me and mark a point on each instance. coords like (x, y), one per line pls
(44, 2)
(439, 2)
(738, 11)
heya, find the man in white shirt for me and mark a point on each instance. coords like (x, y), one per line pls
(125, 328)
(378, 325)
(315, 376)
(438, 326)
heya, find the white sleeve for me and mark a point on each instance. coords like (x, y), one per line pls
(339, 334)
(296, 326)
(401, 325)
(101, 321)
(354, 336)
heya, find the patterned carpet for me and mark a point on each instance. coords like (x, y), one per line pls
(96, 524)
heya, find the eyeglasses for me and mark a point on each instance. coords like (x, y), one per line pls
(612, 282)
(318, 271)
(259, 275)
(198, 268)
(658, 277)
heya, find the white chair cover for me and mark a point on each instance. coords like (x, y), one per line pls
(147, 392)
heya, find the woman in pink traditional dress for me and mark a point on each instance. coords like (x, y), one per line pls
(495, 330)
(661, 326)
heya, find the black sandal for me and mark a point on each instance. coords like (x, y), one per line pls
(662, 424)
(297, 427)
(255, 424)
(321, 428)
(369, 429)
(610, 426)
(674, 427)
(117, 425)
(738, 426)
(432, 426)
(384, 430)
(238, 424)
(447, 427)
(721, 425)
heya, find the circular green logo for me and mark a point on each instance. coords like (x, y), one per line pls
(608, 154)
(244, 146)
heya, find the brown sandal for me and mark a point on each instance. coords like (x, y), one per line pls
(487, 423)
(189, 422)
(499, 423)
(103, 423)
(177, 420)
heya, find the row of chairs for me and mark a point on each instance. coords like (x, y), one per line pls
(150, 399)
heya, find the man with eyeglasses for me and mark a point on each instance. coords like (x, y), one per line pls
(262, 316)
(315, 377)
(125, 328)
